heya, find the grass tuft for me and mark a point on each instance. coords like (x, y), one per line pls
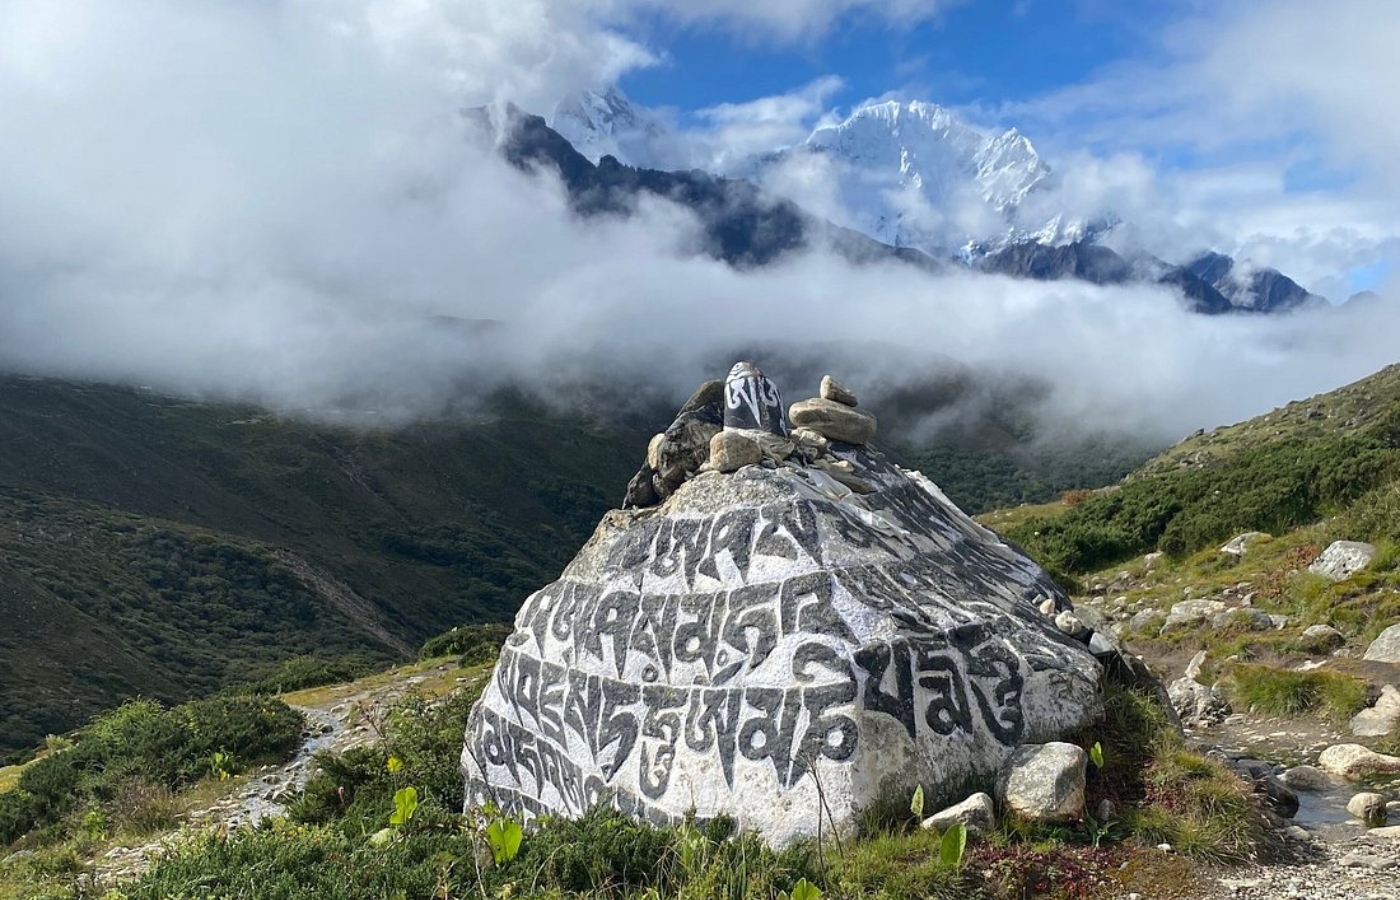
(1284, 692)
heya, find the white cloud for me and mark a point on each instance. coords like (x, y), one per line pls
(273, 201)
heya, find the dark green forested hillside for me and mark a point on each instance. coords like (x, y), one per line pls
(165, 547)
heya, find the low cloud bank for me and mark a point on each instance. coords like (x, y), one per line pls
(281, 203)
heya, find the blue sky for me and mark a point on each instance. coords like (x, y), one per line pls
(985, 53)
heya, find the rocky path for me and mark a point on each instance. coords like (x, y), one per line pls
(337, 719)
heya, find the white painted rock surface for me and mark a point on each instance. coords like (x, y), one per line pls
(977, 813)
(752, 636)
(1342, 559)
(1356, 761)
(1044, 783)
(1386, 646)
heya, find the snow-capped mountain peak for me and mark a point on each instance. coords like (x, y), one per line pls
(606, 123)
(912, 173)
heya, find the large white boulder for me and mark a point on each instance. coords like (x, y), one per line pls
(766, 637)
(1342, 559)
(1386, 646)
(1356, 761)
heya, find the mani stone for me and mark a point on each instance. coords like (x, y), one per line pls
(832, 390)
(751, 400)
(757, 648)
(834, 421)
(1342, 559)
(1044, 783)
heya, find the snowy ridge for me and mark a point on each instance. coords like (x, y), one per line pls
(606, 123)
(914, 175)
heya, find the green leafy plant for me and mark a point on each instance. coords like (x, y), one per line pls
(504, 835)
(803, 890)
(220, 765)
(951, 848)
(405, 805)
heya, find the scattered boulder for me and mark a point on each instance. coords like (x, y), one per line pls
(1146, 620)
(731, 450)
(1252, 619)
(834, 421)
(1342, 559)
(1368, 807)
(1239, 544)
(1356, 761)
(1307, 778)
(832, 390)
(1278, 795)
(1382, 718)
(977, 813)
(1386, 646)
(1197, 704)
(1321, 638)
(1069, 623)
(1191, 612)
(1045, 782)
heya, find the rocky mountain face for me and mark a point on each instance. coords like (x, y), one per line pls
(742, 225)
(1097, 264)
(816, 628)
(1250, 288)
(913, 176)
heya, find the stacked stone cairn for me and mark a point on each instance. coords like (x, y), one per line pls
(783, 626)
(739, 422)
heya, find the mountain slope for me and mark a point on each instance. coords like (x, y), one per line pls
(1334, 455)
(742, 225)
(161, 546)
(1251, 288)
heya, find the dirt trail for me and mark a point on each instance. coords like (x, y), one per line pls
(337, 719)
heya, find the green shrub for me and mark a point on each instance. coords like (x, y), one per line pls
(301, 672)
(475, 644)
(135, 757)
(1273, 488)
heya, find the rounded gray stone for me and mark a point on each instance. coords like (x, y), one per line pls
(834, 421)
(1369, 807)
(833, 390)
(1342, 559)
(1044, 782)
(732, 450)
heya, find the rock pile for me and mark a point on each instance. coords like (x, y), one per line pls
(786, 628)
